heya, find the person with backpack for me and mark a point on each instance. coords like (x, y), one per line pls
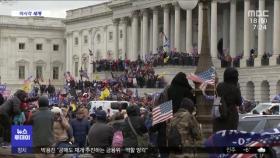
(183, 130)
(230, 95)
(116, 123)
(100, 134)
(134, 130)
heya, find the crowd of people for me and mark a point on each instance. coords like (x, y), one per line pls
(158, 59)
(134, 74)
(64, 125)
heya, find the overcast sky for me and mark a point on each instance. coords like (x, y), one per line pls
(55, 8)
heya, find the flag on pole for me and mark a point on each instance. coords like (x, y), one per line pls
(162, 112)
(166, 43)
(206, 76)
(90, 52)
(27, 84)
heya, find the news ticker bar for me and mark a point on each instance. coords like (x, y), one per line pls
(139, 150)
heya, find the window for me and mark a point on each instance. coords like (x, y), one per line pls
(55, 47)
(21, 72)
(76, 68)
(85, 39)
(110, 35)
(76, 41)
(39, 72)
(39, 46)
(271, 123)
(55, 72)
(121, 34)
(247, 126)
(21, 46)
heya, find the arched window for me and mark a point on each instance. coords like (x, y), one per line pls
(265, 91)
(250, 91)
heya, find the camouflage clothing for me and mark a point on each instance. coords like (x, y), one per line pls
(189, 129)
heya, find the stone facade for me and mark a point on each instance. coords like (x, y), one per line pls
(27, 49)
(131, 29)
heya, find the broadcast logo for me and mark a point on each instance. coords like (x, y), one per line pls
(258, 18)
(21, 139)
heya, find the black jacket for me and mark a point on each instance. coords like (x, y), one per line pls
(232, 96)
(130, 140)
(100, 135)
(11, 106)
(178, 90)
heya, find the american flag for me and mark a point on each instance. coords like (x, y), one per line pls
(162, 112)
(206, 76)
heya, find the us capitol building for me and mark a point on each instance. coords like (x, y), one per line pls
(48, 47)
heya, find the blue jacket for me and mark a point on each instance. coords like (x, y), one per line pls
(80, 130)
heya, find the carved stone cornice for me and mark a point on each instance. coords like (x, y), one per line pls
(124, 20)
(166, 7)
(69, 33)
(31, 27)
(116, 21)
(48, 40)
(145, 12)
(155, 9)
(135, 13)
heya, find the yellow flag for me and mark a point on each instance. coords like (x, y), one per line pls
(104, 94)
(73, 107)
(165, 60)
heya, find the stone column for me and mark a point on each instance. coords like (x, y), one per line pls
(177, 27)
(90, 58)
(246, 34)
(124, 46)
(276, 33)
(116, 39)
(151, 35)
(166, 25)
(189, 31)
(155, 29)
(226, 28)
(141, 35)
(104, 55)
(232, 42)
(214, 29)
(69, 57)
(200, 26)
(261, 37)
(172, 30)
(145, 32)
(135, 42)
